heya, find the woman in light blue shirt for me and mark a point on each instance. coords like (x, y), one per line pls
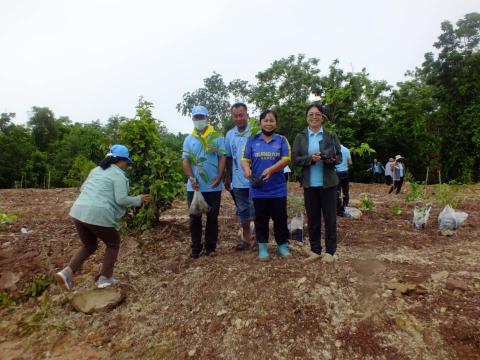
(102, 202)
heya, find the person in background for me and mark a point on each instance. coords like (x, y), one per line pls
(388, 171)
(319, 179)
(102, 202)
(344, 181)
(377, 171)
(264, 157)
(209, 184)
(398, 171)
(235, 141)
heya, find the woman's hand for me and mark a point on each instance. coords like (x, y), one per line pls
(146, 198)
(266, 174)
(316, 157)
(216, 181)
(194, 183)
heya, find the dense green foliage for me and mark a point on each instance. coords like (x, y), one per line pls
(432, 118)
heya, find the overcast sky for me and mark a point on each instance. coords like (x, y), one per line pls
(91, 59)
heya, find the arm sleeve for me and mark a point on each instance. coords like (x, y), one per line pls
(247, 151)
(228, 149)
(300, 158)
(120, 190)
(186, 149)
(285, 151)
(338, 150)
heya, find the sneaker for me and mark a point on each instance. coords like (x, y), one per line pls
(210, 252)
(104, 282)
(194, 255)
(64, 278)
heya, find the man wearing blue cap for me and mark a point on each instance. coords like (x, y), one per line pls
(203, 163)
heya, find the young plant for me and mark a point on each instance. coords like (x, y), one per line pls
(445, 196)
(416, 192)
(397, 210)
(366, 203)
(7, 219)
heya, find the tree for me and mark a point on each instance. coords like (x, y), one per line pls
(44, 131)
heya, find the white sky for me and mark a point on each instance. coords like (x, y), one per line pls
(91, 59)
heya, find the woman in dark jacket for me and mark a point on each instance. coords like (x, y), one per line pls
(319, 179)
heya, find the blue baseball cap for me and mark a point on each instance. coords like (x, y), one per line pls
(121, 151)
(199, 110)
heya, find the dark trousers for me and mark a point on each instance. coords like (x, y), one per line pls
(89, 235)
(388, 179)
(321, 202)
(275, 209)
(211, 228)
(377, 178)
(397, 184)
(343, 187)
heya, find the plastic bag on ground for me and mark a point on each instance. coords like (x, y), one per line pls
(198, 206)
(296, 228)
(420, 216)
(449, 219)
(352, 213)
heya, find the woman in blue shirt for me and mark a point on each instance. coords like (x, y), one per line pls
(264, 157)
(103, 200)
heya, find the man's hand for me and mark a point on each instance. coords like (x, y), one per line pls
(216, 181)
(228, 184)
(247, 173)
(194, 183)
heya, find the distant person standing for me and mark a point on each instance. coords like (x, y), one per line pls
(235, 141)
(388, 171)
(210, 184)
(398, 171)
(377, 171)
(344, 181)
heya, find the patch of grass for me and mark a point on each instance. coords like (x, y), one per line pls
(35, 287)
(6, 300)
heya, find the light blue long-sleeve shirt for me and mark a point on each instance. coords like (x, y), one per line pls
(104, 198)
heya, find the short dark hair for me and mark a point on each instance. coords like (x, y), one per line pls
(316, 104)
(266, 112)
(238, 105)
(109, 160)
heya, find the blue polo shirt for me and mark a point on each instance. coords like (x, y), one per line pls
(343, 166)
(316, 170)
(262, 155)
(207, 157)
(234, 143)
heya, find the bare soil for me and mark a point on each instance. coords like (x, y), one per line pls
(233, 306)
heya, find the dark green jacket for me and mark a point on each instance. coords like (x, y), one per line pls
(301, 158)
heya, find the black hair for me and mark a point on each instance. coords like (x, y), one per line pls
(316, 104)
(109, 160)
(238, 105)
(266, 112)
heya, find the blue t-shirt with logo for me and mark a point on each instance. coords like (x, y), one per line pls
(343, 166)
(207, 158)
(234, 143)
(262, 155)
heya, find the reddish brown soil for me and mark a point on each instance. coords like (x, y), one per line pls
(232, 306)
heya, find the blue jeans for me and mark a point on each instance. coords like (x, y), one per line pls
(245, 209)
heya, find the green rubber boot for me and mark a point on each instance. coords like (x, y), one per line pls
(263, 251)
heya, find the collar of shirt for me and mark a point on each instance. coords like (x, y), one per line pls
(207, 132)
(237, 132)
(311, 133)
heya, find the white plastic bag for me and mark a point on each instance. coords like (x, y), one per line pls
(296, 228)
(352, 213)
(420, 216)
(198, 206)
(449, 219)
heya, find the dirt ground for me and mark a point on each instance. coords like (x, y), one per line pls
(233, 306)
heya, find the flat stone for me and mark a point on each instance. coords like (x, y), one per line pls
(8, 281)
(91, 301)
(439, 276)
(456, 284)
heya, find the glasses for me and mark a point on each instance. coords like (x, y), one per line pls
(312, 115)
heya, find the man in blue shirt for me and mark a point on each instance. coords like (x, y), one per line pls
(344, 181)
(235, 141)
(203, 163)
